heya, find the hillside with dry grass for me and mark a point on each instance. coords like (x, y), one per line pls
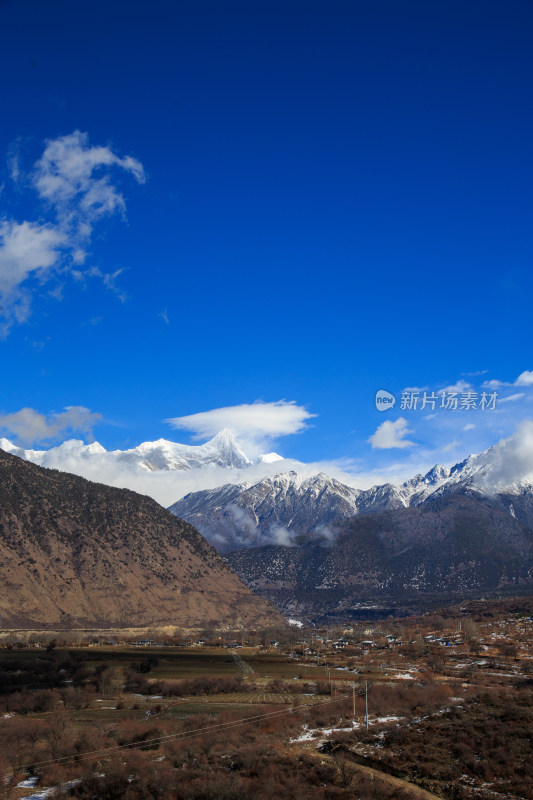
(76, 553)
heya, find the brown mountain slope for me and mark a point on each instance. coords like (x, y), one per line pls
(76, 553)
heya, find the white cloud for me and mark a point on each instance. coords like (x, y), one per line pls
(524, 379)
(254, 424)
(237, 527)
(25, 248)
(512, 398)
(165, 486)
(391, 434)
(415, 389)
(460, 386)
(69, 175)
(30, 427)
(72, 177)
(278, 534)
(512, 459)
(469, 427)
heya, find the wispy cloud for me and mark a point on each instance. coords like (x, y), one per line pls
(73, 180)
(13, 161)
(391, 435)
(70, 176)
(451, 445)
(30, 427)
(512, 398)
(108, 279)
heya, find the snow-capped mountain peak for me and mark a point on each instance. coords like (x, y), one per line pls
(277, 509)
(222, 450)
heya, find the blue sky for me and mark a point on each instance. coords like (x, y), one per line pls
(301, 201)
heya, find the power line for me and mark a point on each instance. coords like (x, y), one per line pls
(181, 735)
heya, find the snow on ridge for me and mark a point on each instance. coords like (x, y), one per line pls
(222, 450)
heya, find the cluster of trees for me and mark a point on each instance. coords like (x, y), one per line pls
(208, 762)
(203, 684)
(209, 685)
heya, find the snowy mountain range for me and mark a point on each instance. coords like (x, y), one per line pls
(221, 451)
(290, 509)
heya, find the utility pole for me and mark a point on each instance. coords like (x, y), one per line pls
(366, 704)
(353, 697)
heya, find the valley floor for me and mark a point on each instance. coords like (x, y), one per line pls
(201, 721)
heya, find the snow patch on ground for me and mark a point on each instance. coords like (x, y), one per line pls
(308, 734)
(48, 791)
(29, 783)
